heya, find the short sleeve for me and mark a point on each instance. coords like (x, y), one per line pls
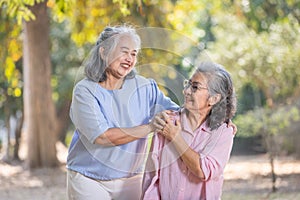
(216, 153)
(160, 101)
(86, 113)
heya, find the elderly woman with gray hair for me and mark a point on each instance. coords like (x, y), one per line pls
(188, 156)
(111, 109)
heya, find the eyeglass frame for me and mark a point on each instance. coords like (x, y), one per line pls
(194, 88)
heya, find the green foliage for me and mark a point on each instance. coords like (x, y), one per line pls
(66, 60)
(90, 18)
(249, 98)
(194, 18)
(19, 9)
(268, 60)
(261, 121)
(10, 67)
(261, 15)
(124, 6)
(60, 9)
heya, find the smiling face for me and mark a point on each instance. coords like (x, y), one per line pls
(196, 95)
(123, 58)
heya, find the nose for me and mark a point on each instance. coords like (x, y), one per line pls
(187, 90)
(129, 58)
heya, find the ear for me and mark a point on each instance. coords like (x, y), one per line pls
(101, 51)
(214, 99)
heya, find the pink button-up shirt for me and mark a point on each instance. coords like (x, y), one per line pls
(167, 177)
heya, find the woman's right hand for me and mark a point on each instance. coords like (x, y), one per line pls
(159, 121)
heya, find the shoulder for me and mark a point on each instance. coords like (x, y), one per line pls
(85, 84)
(143, 81)
(225, 130)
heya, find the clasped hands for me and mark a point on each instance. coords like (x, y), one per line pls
(165, 124)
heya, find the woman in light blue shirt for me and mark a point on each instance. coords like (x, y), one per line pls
(111, 109)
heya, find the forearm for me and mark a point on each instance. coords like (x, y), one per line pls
(119, 136)
(190, 158)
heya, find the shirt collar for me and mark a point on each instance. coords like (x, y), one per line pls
(186, 125)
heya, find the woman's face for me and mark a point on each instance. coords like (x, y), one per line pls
(124, 57)
(196, 94)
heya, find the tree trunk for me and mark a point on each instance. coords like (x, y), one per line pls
(273, 174)
(63, 121)
(39, 110)
(18, 132)
(271, 149)
(7, 157)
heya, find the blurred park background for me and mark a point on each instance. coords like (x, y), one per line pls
(44, 43)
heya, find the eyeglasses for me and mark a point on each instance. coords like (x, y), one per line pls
(194, 86)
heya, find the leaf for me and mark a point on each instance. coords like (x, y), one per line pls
(9, 69)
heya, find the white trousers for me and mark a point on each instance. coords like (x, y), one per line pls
(80, 187)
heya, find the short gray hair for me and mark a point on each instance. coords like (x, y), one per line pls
(95, 65)
(219, 82)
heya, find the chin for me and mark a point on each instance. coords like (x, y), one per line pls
(124, 73)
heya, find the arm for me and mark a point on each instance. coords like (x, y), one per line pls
(118, 136)
(210, 162)
(216, 153)
(188, 155)
(87, 115)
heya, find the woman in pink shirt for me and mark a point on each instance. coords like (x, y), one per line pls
(188, 156)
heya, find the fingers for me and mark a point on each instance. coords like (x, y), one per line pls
(165, 116)
(159, 123)
(161, 119)
(169, 112)
(234, 127)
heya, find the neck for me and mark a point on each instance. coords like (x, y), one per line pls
(195, 118)
(112, 83)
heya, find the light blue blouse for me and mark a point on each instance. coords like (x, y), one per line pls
(95, 109)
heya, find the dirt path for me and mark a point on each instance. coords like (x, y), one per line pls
(246, 177)
(42, 184)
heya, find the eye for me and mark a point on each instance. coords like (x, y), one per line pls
(194, 87)
(133, 54)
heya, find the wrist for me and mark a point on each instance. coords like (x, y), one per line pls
(149, 128)
(178, 139)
